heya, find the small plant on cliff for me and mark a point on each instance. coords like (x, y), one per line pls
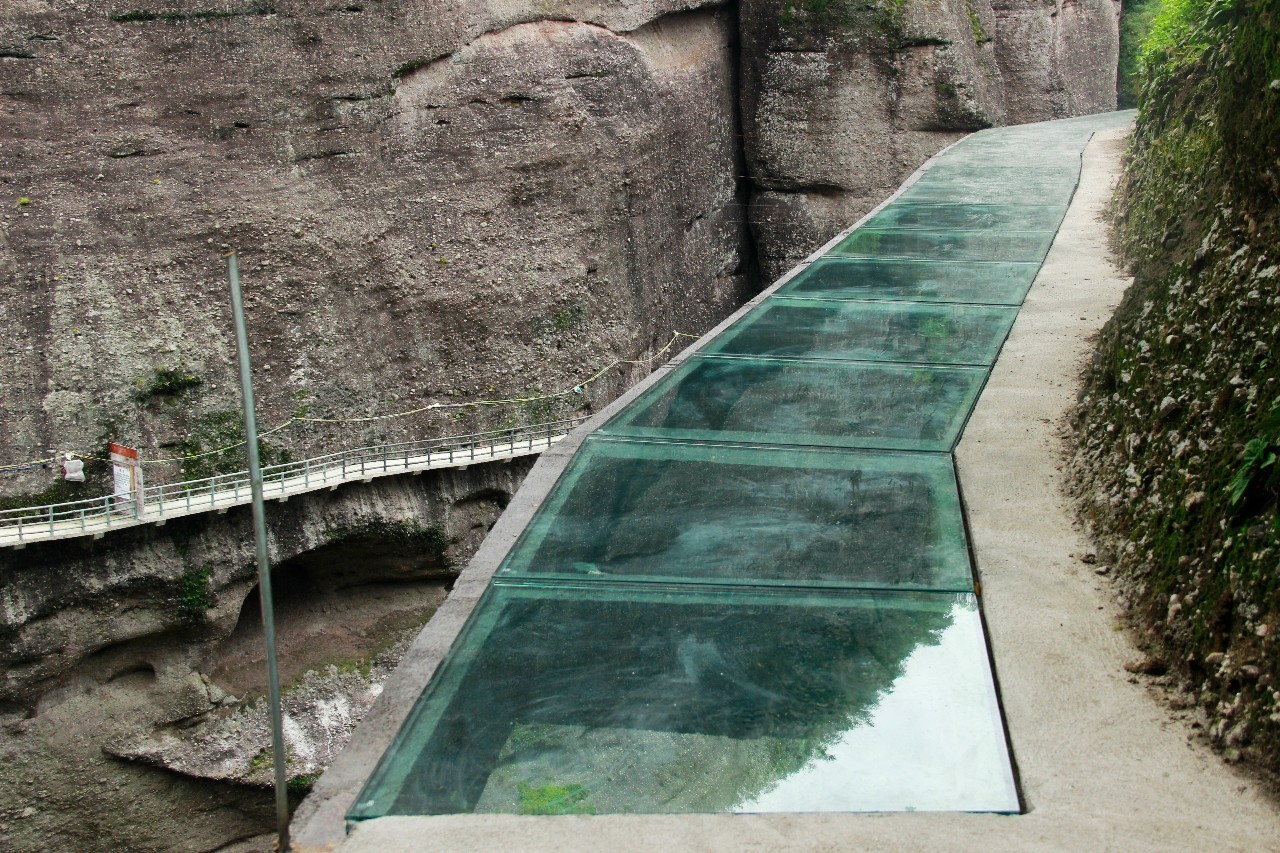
(215, 445)
(301, 785)
(195, 595)
(165, 382)
(1258, 477)
(975, 23)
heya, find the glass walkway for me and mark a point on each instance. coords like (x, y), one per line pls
(751, 589)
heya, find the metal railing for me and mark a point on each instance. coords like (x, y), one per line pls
(222, 491)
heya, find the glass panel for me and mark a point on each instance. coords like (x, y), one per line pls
(941, 217)
(869, 331)
(663, 511)
(946, 245)
(601, 700)
(926, 281)
(1030, 192)
(1058, 170)
(836, 404)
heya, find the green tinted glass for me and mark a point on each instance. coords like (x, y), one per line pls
(943, 217)
(990, 245)
(665, 511)
(835, 404)
(928, 281)
(869, 331)
(602, 700)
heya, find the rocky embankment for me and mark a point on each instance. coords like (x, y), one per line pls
(144, 650)
(1179, 423)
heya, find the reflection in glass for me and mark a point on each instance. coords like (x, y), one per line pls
(666, 511)
(942, 217)
(1029, 191)
(991, 245)
(825, 403)
(869, 331)
(925, 281)
(616, 700)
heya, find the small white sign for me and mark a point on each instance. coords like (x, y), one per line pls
(126, 475)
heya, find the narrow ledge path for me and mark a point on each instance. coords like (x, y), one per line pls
(1100, 763)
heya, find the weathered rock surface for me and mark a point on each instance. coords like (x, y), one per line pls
(148, 644)
(431, 205)
(1057, 58)
(162, 598)
(841, 101)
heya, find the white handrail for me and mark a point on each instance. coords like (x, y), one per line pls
(221, 491)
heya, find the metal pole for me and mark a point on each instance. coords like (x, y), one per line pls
(264, 567)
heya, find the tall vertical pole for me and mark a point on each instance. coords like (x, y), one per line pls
(264, 567)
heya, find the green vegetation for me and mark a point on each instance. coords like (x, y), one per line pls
(301, 785)
(165, 382)
(1179, 33)
(23, 201)
(175, 16)
(554, 799)
(195, 593)
(569, 318)
(1180, 421)
(215, 445)
(1136, 18)
(60, 491)
(975, 24)
(261, 760)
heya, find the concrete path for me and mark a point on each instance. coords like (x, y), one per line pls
(1102, 764)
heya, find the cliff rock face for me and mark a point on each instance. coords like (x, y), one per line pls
(842, 100)
(443, 202)
(431, 205)
(147, 646)
(1058, 58)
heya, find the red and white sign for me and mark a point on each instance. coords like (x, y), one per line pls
(126, 474)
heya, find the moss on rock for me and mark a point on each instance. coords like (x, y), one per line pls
(1183, 390)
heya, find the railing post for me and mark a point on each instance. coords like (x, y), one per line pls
(306, 473)
(51, 519)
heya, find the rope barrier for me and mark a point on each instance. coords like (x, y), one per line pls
(576, 389)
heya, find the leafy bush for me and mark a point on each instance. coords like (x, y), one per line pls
(165, 382)
(1135, 23)
(195, 594)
